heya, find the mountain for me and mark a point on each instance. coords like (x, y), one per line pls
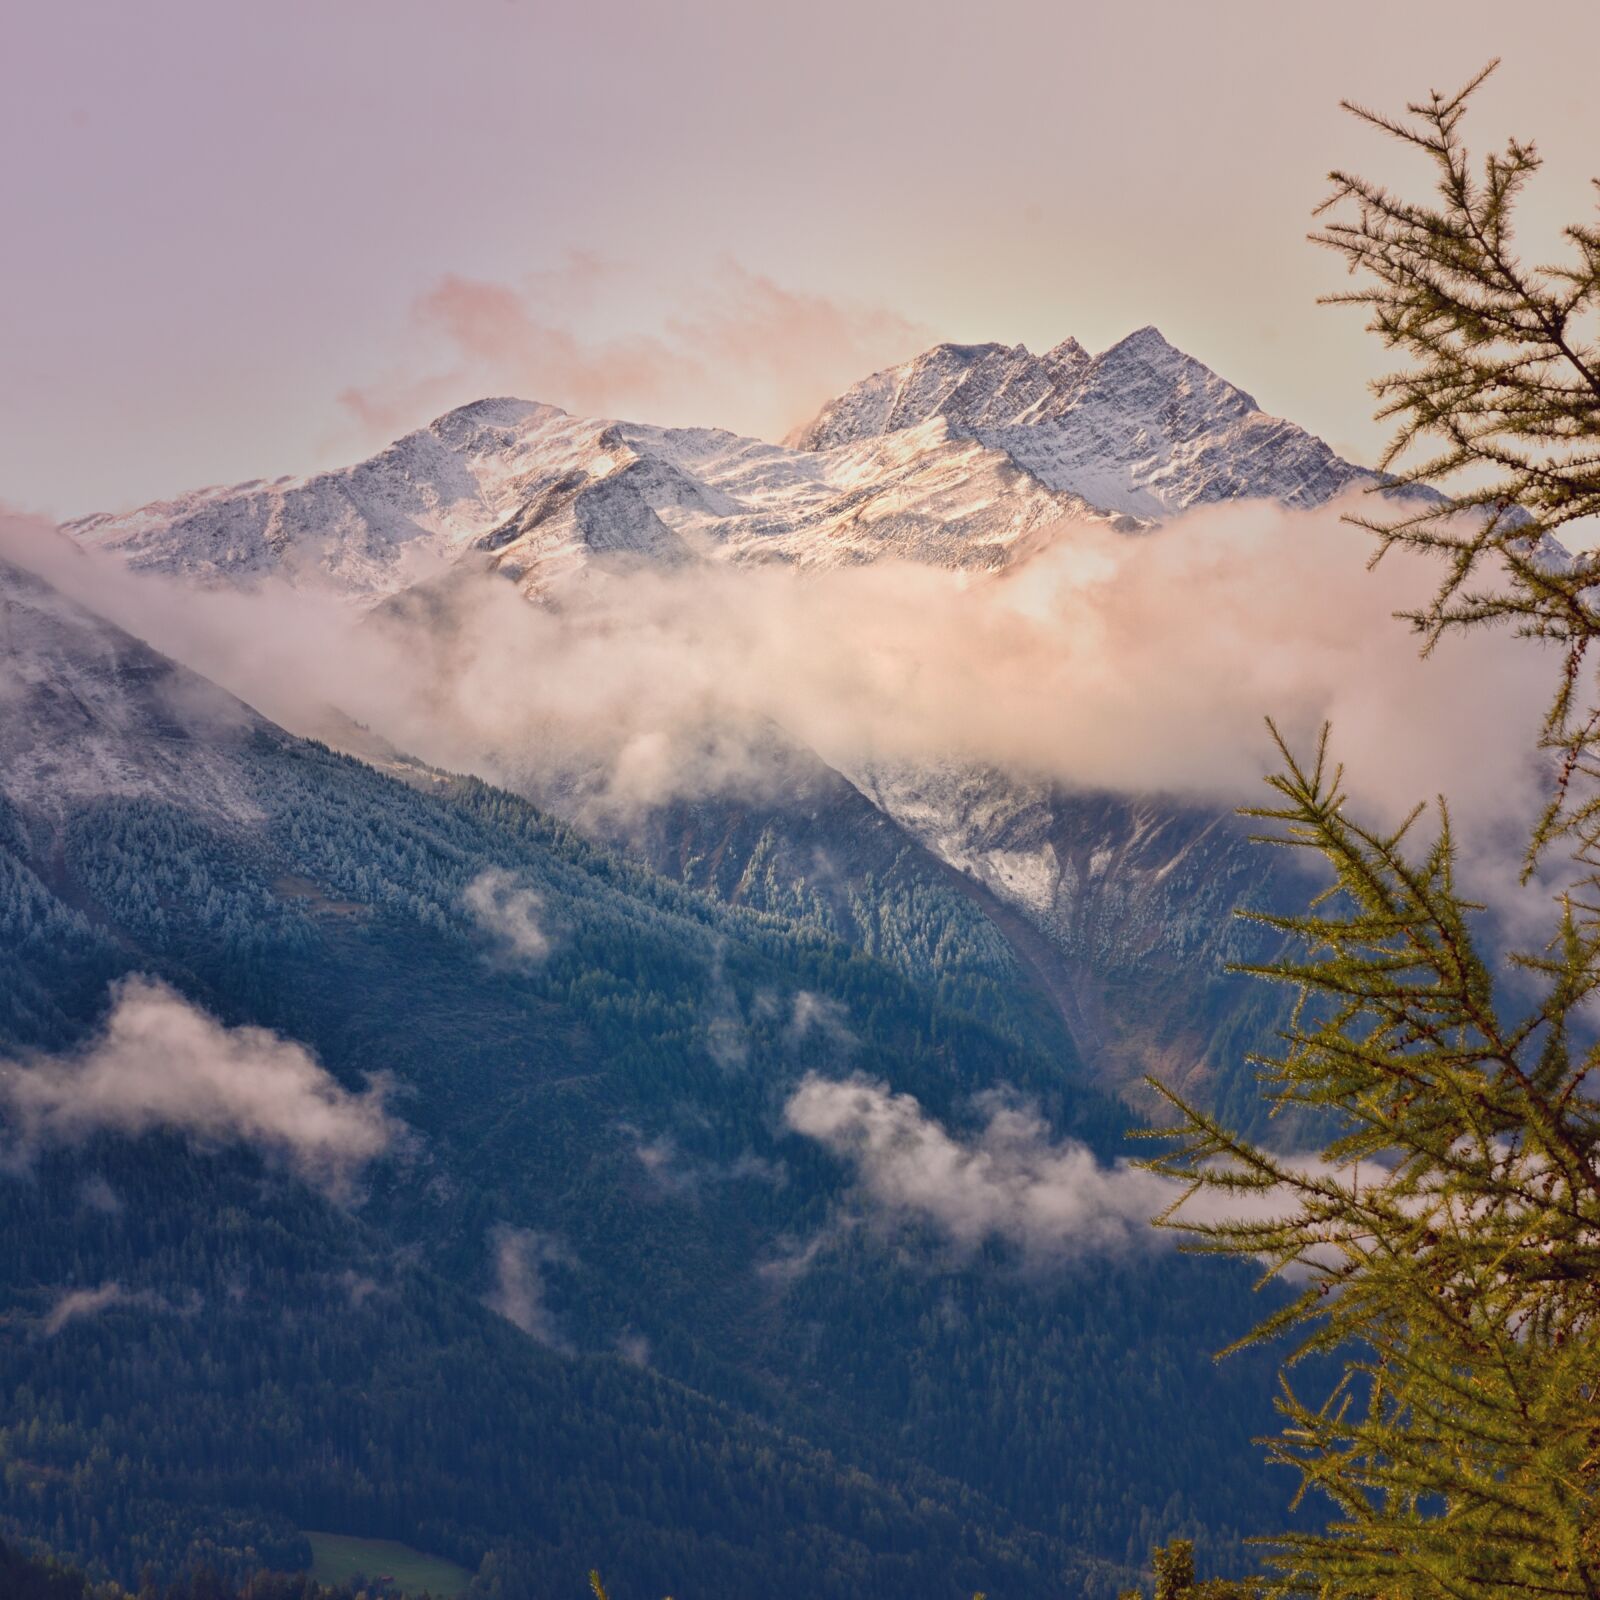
(536, 494)
(91, 713)
(1140, 429)
(591, 1299)
(958, 458)
(1114, 908)
(1124, 907)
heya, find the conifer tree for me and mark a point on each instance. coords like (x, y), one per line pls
(1498, 413)
(1445, 1244)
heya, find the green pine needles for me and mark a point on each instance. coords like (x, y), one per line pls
(1446, 1241)
(1498, 414)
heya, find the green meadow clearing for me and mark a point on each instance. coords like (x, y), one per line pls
(336, 1557)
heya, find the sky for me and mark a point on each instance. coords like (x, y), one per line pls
(252, 239)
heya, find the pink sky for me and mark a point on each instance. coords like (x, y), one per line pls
(252, 239)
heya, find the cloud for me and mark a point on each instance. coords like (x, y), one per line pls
(661, 1159)
(739, 350)
(98, 1195)
(1137, 665)
(78, 1303)
(726, 1033)
(161, 1063)
(1133, 664)
(783, 352)
(508, 909)
(358, 1287)
(822, 1014)
(634, 1348)
(1010, 1181)
(675, 1173)
(792, 1257)
(520, 1257)
(1053, 1199)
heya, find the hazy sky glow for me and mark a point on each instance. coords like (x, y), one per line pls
(258, 238)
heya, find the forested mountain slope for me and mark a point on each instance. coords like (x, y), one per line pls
(585, 1293)
(970, 457)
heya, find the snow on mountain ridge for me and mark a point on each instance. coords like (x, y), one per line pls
(1142, 428)
(957, 457)
(367, 529)
(538, 494)
(966, 457)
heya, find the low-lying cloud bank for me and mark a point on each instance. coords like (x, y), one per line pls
(162, 1064)
(1135, 664)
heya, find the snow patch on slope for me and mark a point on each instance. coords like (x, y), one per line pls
(87, 711)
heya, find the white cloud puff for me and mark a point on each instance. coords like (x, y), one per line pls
(508, 910)
(1052, 1198)
(161, 1063)
(1009, 1181)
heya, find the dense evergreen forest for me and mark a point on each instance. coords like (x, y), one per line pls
(726, 1370)
(28, 1577)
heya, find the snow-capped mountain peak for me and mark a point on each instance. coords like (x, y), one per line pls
(364, 530)
(956, 457)
(1141, 429)
(971, 385)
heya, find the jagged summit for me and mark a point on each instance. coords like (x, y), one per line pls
(1142, 428)
(1068, 350)
(1148, 339)
(983, 385)
(971, 385)
(538, 494)
(955, 457)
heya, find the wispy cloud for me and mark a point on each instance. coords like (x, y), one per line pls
(739, 351)
(508, 910)
(74, 1304)
(80, 1305)
(821, 1014)
(519, 1257)
(726, 1033)
(97, 1195)
(634, 1348)
(675, 1173)
(161, 1063)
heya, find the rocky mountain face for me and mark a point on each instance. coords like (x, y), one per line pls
(967, 457)
(537, 495)
(1122, 907)
(1140, 429)
(952, 459)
